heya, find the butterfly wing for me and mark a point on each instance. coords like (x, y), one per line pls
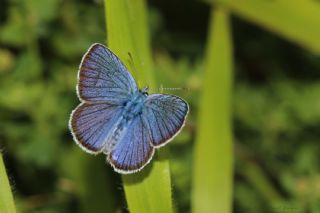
(90, 124)
(103, 78)
(133, 151)
(164, 116)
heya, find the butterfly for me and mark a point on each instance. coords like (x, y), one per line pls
(118, 119)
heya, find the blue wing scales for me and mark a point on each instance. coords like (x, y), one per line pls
(164, 116)
(134, 150)
(91, 124)
(103, 78)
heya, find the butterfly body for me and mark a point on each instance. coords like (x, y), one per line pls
(134, 105)
(117, 119)
(132, 108)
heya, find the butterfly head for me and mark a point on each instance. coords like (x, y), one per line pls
(144, 91)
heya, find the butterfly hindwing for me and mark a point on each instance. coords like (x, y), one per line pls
(90, 124)
(133, 151)
(103, 77)
(164, 116)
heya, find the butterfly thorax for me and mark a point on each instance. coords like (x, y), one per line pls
(133, 106)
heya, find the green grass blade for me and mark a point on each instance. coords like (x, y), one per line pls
(149, 190)
(213, 166)
(6, 198)
(128, 34)
(296, 20)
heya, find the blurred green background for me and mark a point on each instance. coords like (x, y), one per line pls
(275, 102)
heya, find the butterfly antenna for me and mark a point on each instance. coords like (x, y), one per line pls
(131, 62)
(132, 65)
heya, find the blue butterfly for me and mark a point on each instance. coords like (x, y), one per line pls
(116, 118)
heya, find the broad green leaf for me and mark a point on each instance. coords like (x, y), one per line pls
(6, 198)
(296, 20)
(149, 190)
(213, 158)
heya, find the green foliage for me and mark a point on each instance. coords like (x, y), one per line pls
(275, 108)
(282, 119)
(36, 97)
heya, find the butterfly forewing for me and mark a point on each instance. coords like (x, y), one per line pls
(164, 115)
(103, 77)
